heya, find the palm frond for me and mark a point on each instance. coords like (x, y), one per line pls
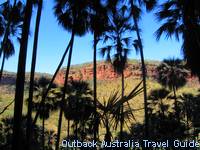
(136, 45)
(105, 51)
(150, 4)
(167, 28)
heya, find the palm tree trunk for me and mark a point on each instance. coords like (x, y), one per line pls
(43, 135)
(187, 115)
(145, 90)
(176, 104)
(68, 129)
(95, 87)
(143, 75)
(122, 109)
(52, 80)
(163, 111)
(2, 66)
(107, 137)
(64, 91)
(19, 92)
(76, 128)
(33, 64)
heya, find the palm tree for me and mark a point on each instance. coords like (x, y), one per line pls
(8, 51)
(79, 106)
(172, 74)
(33, 64)
(181, 18)
(19, 92)
(11, 21)
(6, 135)
(191, 106)
(74, 17)
(135, 13)
(98, 24)
(188, 102)
(110, 110)
(157, 96)
(50, 104)
(1, 26)
(120, 43)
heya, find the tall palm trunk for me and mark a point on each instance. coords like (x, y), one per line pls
(95, 87)
(144, 83)
(122, 109)
(108, 135)
(19, 92)
(64, 91)
(76, 130)
(33, 64)
(162, 109)
(2, 51)
(76, 122)
(187, 108)
(43, 124)
(52, 80)
(176, 104)
(68, 128)
(2, 66)
(143, 74)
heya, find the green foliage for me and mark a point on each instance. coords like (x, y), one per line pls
(78, 105)
(181, 18)
(6, 126)
(172, 73)
(51, 103)
(10, 26)
(109, 110)
(116, 40)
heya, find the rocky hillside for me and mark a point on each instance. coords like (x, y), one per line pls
(105, 71)
(10, 77)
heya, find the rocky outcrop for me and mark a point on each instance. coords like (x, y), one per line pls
(105, 72)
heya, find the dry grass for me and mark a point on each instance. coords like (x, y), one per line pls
(104, 90)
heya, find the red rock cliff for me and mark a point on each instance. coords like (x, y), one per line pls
(104, 72)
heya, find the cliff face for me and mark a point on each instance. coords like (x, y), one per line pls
(105, 72)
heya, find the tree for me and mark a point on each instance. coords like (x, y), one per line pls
(188, 100)
(190, 110)
(110, 110)
(11, 16)
(74, 17)
(19, 92)
(50, 104)
(1, 26)
(172, 74)
(98, 25)
(6, 135)
(33, 64)
(135, 13)
(157, 96)
(181, 18)
(79, 107)
(117, 52)
(8, 51)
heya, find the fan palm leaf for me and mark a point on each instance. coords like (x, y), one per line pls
(181, 18)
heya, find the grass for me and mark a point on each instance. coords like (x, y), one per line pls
(104, 90)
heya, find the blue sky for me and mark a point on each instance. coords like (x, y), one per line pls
(53, 40)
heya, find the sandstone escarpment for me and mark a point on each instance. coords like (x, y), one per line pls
(105, 72)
